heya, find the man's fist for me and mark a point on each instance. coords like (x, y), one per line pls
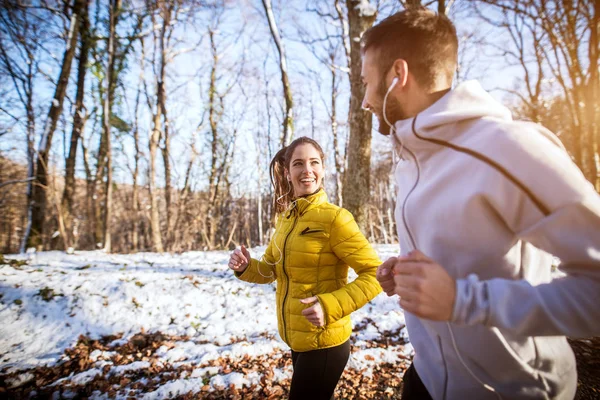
(424, 287)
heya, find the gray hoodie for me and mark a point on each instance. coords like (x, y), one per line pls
(491, 199)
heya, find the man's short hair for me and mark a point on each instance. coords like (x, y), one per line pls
(425, 40)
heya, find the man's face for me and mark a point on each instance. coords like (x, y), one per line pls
(375, 89)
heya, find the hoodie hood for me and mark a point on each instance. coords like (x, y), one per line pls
(466, 102)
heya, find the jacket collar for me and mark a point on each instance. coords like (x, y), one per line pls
(305, 203)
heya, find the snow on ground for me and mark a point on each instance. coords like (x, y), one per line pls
(48, 303)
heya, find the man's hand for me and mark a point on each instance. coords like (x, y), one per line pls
(424, 287)
(314, 314)
(385, 277)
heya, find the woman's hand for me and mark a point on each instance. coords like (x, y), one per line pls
(385, 276)
(239, 260)
(314, 314)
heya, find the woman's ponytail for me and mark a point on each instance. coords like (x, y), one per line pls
(282, 186)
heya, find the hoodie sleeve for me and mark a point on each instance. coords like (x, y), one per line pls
(350, 246)
(557, 210)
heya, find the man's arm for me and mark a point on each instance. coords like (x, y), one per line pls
(556, 210)
(569, 305)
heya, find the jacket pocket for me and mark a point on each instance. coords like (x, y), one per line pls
(308, 231)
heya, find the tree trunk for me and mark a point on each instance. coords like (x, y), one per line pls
(356, 194)
(78, 125)
(30, 154)
(288, 122)
(89, 188)
(135, 202)
(214, 132)
(39, 196)
(115, 6)
(183, 199)
(96, 217)
(334, 131)
(167, 164)
(167, 8)
(154, 215)
(593, 103)
(158, 131)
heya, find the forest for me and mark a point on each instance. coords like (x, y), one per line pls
(137, 126)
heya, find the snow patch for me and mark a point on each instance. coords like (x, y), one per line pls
(366, 9)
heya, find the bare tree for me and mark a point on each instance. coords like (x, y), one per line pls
(34, 234)
(167, 11)
(559, 40)
(115, 7)
(154, 144)
(218, 160)
(356, 195)
(19, 45)
(288, 121)
(117, 50)
(135, 200)
(79, 119)
(328, 45)
(443, 6)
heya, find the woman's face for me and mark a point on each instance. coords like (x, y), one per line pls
(306, 170)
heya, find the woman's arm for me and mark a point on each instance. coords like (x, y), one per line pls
(263, 270)
(351, 246)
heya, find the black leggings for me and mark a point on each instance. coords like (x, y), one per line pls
(317, 372)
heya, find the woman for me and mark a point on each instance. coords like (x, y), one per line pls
(309, 254)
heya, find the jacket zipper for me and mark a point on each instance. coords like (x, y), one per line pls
(287, 280)
(410, 236)
(414, 245)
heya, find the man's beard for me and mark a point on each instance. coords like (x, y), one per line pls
(393, 111)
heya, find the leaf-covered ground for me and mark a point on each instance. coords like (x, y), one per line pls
(107, 368)
(149, 326)
(166, 326)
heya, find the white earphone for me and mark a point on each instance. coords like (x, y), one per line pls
(394, 81)
(392, 128)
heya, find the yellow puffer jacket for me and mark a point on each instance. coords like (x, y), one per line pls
(309, 254)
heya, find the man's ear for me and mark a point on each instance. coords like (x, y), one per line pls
(400, 70)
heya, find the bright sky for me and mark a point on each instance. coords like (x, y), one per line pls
(251, 53)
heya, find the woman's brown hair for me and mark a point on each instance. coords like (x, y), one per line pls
(284, 192)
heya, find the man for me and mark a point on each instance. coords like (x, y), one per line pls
(483, 202)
